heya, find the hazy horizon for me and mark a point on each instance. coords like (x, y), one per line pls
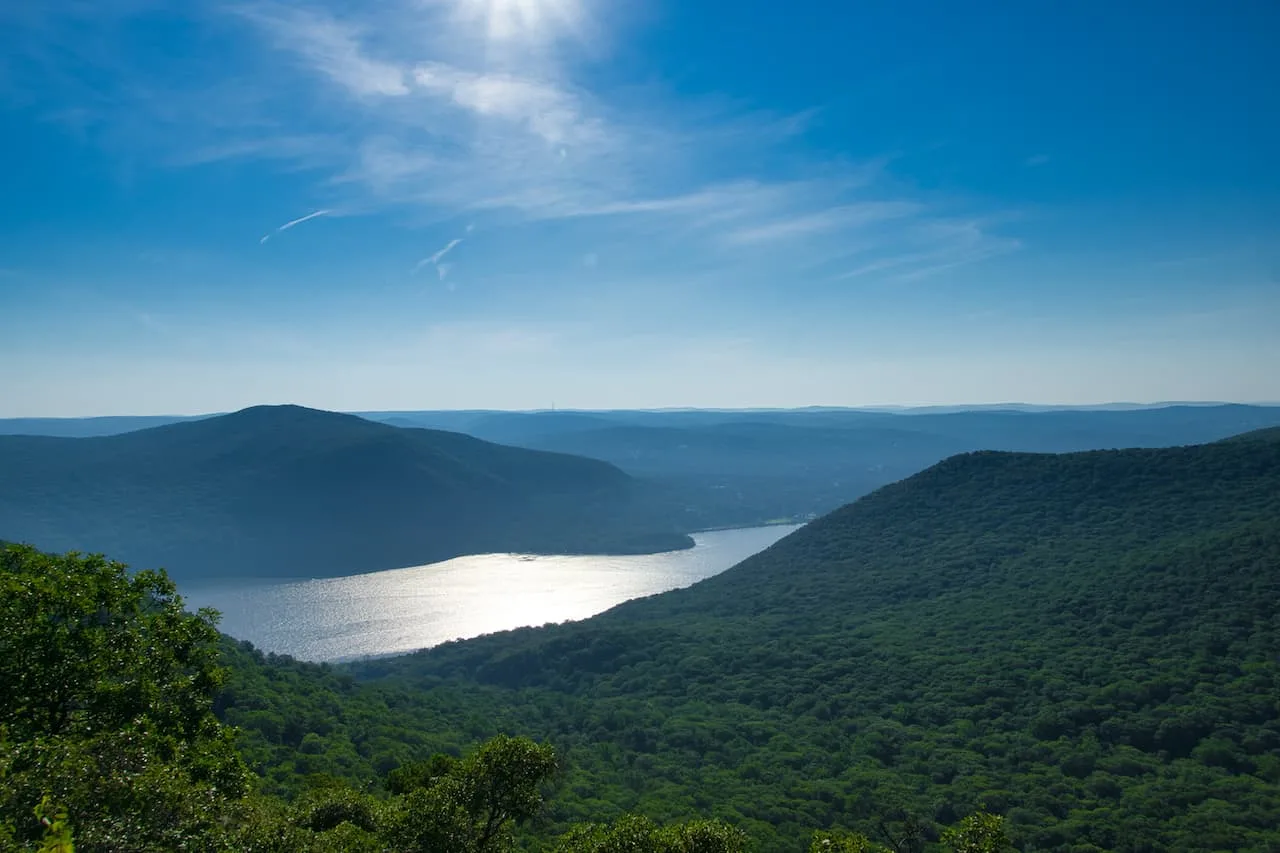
(1118, 405)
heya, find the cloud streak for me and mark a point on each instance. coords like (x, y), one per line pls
(844, 218)
(424, 111)
(293, 223)
(326, 45)
(522, 141)
(434, 258)
(933, 248)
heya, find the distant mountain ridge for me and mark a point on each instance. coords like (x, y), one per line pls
(89, 427)
(1266, 434)
(724, 468)
(295, 492)
(737, 468)
(479, 421)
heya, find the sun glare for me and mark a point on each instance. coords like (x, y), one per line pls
(508, 20)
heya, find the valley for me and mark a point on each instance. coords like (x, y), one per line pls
(591, 426)
(1086, 645)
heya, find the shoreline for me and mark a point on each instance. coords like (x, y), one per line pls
(399, 612)
(777, 522)
(198, 586)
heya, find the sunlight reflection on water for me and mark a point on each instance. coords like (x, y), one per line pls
(402, 610)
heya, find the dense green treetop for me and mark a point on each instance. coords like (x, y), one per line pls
(106, 690)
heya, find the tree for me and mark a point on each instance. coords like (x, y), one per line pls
(106, 690)
(633, 834)
(470, 806)
(842, 842)
(85, 646)
(979, 833)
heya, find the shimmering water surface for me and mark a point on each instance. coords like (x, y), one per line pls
(402, 610)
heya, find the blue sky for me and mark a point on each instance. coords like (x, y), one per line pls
(519, 203)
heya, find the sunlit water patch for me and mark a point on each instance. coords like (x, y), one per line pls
(383, 613)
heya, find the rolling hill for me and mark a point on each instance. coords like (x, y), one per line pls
(1086, 643)
(85, 427)
(292, 492)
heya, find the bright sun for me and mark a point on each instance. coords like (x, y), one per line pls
(523, 19)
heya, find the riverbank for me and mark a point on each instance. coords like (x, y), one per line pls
(775, 522)
(403, 610)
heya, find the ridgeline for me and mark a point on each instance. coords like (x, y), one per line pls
(283, 491)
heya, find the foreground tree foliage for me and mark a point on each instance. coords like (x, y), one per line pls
(106, 690)
(633, 834)
(108, 742)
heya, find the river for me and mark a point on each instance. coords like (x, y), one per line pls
(382, 613)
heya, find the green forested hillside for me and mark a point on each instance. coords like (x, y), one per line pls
(109, 743)
(1262, 435)
(1088, 643)
(293, 492)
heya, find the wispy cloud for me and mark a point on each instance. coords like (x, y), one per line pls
(432, 111)
(525, 142)
(449, 247)
(881, 265)
(934, 247)
(553, 114)
(294, 223)
(435, 257)
(304, 150)
(328, 46)
(845, 218)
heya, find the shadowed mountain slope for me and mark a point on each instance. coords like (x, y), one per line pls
(727, 468)
(291, 492)
(745, 467)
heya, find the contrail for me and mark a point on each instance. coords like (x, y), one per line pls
(435, 259)
(438, 256)
(288, 225)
